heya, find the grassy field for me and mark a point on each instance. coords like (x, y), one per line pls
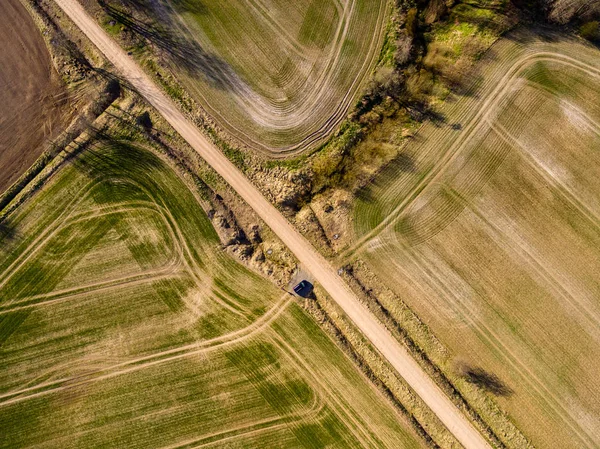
(123, 324)
(488, 226)
(33, 98)
(277, 75)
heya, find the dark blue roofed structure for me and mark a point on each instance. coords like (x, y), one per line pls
(303, 289)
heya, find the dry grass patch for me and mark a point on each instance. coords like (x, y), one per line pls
(492, 235)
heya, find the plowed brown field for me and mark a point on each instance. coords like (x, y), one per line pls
(30, 93)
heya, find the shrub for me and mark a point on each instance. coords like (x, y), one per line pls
(144, 120)
(412, 22)
(403, 49)
(590, 30)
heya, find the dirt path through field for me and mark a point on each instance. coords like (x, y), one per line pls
(320, 268)
(30, 91)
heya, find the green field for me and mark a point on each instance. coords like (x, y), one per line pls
(277, 75)
(123, 324)
(488, 226)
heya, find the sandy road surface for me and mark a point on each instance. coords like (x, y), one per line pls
(322, 270)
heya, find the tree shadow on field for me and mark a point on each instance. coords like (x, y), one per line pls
(191, 6)
(404, 162)
(366, 194)
(108, 156)
(7, 232)
(527, 35)
(486, 381)
(184, 53)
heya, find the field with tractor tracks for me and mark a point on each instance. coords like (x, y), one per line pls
(488, 226)
(277, 75)
(123, 324)
(33, 98)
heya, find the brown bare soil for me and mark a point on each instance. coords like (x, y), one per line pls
(31, 92)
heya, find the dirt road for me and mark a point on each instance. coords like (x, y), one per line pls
(320, 268)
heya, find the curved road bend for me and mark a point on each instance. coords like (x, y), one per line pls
(319, 267)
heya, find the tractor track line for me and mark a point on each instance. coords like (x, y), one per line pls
(142, 362)
(280, 422)
(167, 272)
(488, 105)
